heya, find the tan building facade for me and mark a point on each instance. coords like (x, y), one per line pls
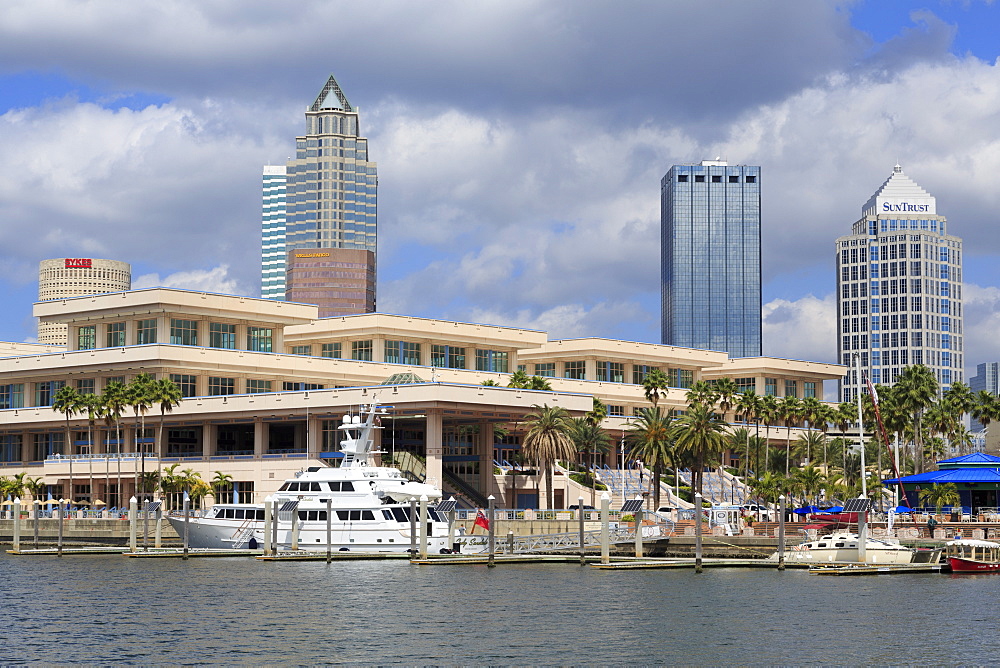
(265, 383)
(73, 277)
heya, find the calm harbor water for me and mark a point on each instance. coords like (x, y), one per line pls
(113, 610)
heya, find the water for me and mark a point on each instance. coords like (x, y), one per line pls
(114, 610)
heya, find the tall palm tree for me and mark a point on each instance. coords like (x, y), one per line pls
(91, 405)
(940, 495)
(700, 433)
(769, 415)
(703, 393)
(726, 392)
(219, 483)
(67, 401)
(546, 441)
(589, 440)
(748, 405)
(810, 480)
(115, 400)
(166, 394)
(916, 389)
(139, 397)
(652, 442)
(790, 409)
(654, 384)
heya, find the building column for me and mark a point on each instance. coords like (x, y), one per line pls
(209, 439)
(485, 448)
(590, 369)
(433, 437)
(260, 434)
(313, 437)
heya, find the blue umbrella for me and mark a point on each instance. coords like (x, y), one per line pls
(902, 509)
(806, 511)
(835, 509)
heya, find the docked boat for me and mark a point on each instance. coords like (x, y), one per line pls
(370, 506)
(973, 556)
(841, 546)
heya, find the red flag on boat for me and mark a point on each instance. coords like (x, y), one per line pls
(481, 520)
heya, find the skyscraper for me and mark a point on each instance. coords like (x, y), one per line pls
(899, 288)
(329, 203)
(987, 378)
(710, 257)
(75, 277)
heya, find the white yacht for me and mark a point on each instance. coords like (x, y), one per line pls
(370, 506)
(841, 546)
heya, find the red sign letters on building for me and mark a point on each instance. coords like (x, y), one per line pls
(77, 263)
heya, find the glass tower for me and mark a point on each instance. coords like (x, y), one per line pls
(899, 289)
(987, 378)
(272, 277)
(329, 194)
(710, 258)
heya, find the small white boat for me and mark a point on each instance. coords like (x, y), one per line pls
(370, 506)
(841, 546)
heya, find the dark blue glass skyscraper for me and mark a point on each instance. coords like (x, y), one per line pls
(710, 257)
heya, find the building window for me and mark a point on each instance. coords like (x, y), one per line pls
(546, 369)
(187, 384)
(302, 350)
(791, 388)
(771, 387)
(809, 389)
(299, 387)
(113, 379)
(683, 378)
(331, 350)
(639, 373)
(744, 385)
(257, 386)
(751, 179)
(611, 372)
(491, 360)
(402, 352)
(682, 178)
(699, 178)
(575, 370)
(616, 411)
(46, 391)
(221, 335)
(85, 386)
(221, 386)
(116, 334)
(448, 357)
(86, 337)
(183, 332)
(12, 395)
(260, 339)
(145, 332)
(361, 350)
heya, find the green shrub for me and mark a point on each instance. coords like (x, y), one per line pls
(586, 480)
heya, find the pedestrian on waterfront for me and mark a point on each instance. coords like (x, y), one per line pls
(931, 525)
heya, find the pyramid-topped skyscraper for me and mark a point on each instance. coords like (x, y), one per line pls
(899, 289)
(319, 214)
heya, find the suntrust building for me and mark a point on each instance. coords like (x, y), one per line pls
(899, 288)
(266, 382)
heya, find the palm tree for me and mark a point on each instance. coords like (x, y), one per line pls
(916, 389)
(165, 393)
(769, 414)
(805, 444)
(219, 483)
(91, 405)
(589, 439)
(652, 442)
(986, 408)
(139, 397)
(810, 480)
(654, 384)
(790, 410)
(700, 433)
(598, 413)
(491, 383)
(67, 401)
(749, 406)
(540, 383)
(114, 400)
(726, 391)
(704, 393)
(520, 379)
(547, 441)
(940, 495)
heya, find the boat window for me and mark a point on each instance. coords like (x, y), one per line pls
(342, 515)
(821, 545)
(386, 513)
(260, 513)
(314, 487)
(347, 486)
(355, 515)
(367, 515)
(838, 545)
(284, 487)
(238, 514)
(400, 515)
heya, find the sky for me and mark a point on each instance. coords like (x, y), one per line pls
(520, 144)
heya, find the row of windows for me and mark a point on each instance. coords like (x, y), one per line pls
(716, 178)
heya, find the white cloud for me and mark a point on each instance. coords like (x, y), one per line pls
(803, 329)
(216, 279)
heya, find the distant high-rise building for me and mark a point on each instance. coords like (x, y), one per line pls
(987, 379)
(325, 198)
(76, 277)
(710, 257)
(272, 276)
(341, 280)
(899, 289)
